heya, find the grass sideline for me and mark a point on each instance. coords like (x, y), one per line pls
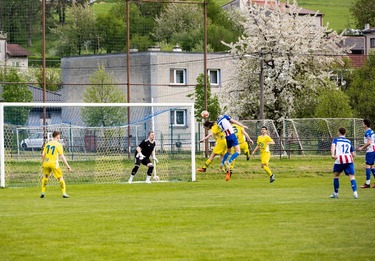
(243, 219)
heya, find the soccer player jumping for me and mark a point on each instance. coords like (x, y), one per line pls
(225, 124)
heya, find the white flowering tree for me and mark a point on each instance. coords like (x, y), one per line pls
(296, 53)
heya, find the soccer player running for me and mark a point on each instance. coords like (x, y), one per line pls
(225, 124)
(369, 145)
(263, 143)
(220, 146)
(142, 155)
(50, 163)
(342, 152)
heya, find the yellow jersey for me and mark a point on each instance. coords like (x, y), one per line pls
(51, 153)
(238, 130)
(262, 143)
(218, 135)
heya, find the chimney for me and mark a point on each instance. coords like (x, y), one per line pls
(154, 49)
(177, 49)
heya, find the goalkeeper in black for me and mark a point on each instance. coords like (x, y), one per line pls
(142, 156)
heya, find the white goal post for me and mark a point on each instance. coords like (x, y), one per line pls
(98, 142)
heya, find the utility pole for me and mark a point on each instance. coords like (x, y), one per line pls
(261, 88)
(205, 69)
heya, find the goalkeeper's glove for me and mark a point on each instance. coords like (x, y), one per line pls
(156, 160)
(140, 156)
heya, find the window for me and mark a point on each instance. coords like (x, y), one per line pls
(178, 76)
(214, 76)
(178, 118)
(15, 64)
(372, 42)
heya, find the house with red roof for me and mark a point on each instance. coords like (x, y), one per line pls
(13, 55)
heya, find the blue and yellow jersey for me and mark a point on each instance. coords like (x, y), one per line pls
(51, 153)
(262, 143)
(218, 135)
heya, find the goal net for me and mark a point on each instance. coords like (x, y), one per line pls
(99, 140)
(254, 127)
(314, 136)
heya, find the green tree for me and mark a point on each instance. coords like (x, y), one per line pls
(223, 26)
(183, 25)
(15, 93)
(19, 19)
(111, 32)
(333, 103)
(102, 90)
(362, 88)
(179, 24)
(213, 104)
(78, 33)
(363, 12)
(53, 78)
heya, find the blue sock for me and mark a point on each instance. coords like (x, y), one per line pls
(354, 185)
(225, 157)
(336, 184)
(373, 172)
(234, 156)
(368, 174)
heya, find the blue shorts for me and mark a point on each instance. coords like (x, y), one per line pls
(348, 168)
(370, 158)
(232, 140)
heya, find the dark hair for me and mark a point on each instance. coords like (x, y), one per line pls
(148, 135)
(264, 127)
(55, 133)
(208, 124)
(342, 130)
(367, 123)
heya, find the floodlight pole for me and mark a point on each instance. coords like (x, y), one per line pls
(205, 69)
(128, 71)
(261, 88)
(44, 68)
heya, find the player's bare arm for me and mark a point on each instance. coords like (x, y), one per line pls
(207, 137)
(333, 150)
(368, 143)
(256, 148)
(65, 162)
(248, 137)
(238, 123)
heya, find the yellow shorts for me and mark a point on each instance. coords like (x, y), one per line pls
(57, 172)
(244, 146)
(265, 157)
(220, 148)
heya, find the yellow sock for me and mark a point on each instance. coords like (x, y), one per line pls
(62, 185)
(268, 170)
(44, 184)
(232, 165)
(207, 163)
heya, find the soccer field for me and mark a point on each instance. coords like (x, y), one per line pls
(243, 219)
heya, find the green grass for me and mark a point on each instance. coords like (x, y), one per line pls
(102, 7)
(243, 219)
(336, 12)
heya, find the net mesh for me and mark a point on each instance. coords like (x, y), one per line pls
(100, 154)
(314, 136)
